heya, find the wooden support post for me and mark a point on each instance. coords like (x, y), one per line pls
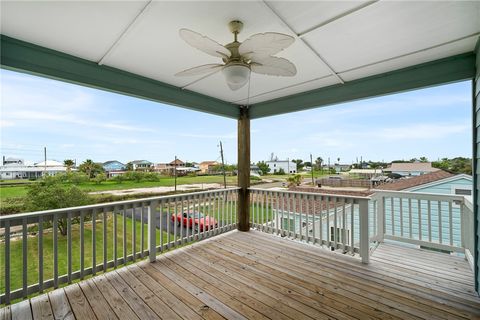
(243, 170)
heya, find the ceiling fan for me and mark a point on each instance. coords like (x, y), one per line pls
(240, 58)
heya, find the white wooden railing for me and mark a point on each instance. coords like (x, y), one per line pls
(437, 221)
(357, 224)
(335, 221)
(116, 225)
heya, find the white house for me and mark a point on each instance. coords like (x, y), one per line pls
(286, 165)
(13, 168)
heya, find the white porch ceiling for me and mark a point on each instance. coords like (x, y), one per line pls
(336, 42)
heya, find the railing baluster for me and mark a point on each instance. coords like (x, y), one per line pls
(344, 226)
(7, 262)
(277, 215)
(440, 233)
(40, 254)
(450, 222)
(25, 255)
(429, 212)
(134, 232)
(329, 231)
(124, 233)
(69, 246)
(320, 225)
(401, 216)
(188, 218)
(352, 226)
(169, 224)
(218, 201)
(94, 241)
(152, 230)
(294, 212)
(162, 203)
(410, 218)
(104, 238)
(177, 222)
(115, 209)
(142, 230)
(301, 215)
(204, 212)
(419, 208)
(314, 218)
(335, 223)
(82, 243)
(392, 214)
(282, 221)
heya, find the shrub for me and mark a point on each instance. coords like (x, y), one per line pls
(118, 178)
(99, 178)
(294, 181)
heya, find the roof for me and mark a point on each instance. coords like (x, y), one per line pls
(366, 171)
(49, 163)
(204, 163)
(387, 36)
(407, 183)
(178, 161)
(112, 161)
(140, 162)
(412, 166)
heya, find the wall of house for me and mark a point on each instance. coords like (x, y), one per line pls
(476, 165)
(446, 187)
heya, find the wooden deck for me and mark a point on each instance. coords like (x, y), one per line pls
(255, 275)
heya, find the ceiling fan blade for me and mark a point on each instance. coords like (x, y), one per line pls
(196, 71)
(204, 43)
(273, 66)
(265, 44)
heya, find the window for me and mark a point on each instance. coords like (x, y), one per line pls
(463, 192)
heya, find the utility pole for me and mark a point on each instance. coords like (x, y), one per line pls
(175, 173)
(223, 167)
(311, 168)
(45, 158)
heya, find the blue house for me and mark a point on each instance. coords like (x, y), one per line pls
(113, 165)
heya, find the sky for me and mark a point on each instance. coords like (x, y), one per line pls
(75, 122)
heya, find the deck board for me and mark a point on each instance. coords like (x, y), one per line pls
(255, 275)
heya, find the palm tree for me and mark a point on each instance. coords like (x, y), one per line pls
(69, 164)
(87, 166)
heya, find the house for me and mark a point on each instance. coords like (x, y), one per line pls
(14, 168)
(411, 169)
(207, 167)
(286, 165)
(113, 166)
(341, 167)
(141, 165)
(169, 168)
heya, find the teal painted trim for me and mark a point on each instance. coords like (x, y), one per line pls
(455, 68)
(26, 57)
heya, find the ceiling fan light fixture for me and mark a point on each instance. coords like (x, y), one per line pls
(236, 74)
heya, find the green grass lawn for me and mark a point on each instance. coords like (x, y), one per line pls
(21, 191)
(16, 254)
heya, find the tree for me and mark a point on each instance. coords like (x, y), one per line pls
(318, 163)
(118, 178)
(77, 177)
(299, 163)
(49, 194)
(294, 180)
(423, 159)
(69, 163)
(129, 166)
(90, 168)
(262, 165)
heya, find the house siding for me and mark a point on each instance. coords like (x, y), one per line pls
(476, 164)
(446, 187)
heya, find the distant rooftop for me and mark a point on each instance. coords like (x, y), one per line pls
(415, 166)
(407, 183)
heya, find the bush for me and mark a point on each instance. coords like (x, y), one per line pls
(151, 176)
(118, 178)
(280, 172)
(77, 177)
(294, 181)
(12, 206)
(136, 176)
(99, 178)
(51, 194)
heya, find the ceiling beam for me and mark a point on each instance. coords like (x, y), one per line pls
(26, 57)
(130, 26)
(452, 69)
(303, 41)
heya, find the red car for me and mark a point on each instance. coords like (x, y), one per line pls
(195, 220)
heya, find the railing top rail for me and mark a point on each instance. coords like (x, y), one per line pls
(418, 195)
(314, 193)
(110, 204)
